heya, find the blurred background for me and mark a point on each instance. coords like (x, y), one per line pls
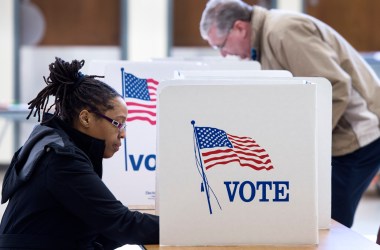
(34, 32)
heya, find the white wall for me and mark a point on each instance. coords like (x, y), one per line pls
(148, 29)
(294, 5)
(34, 63)
(7, 44)
(6, 50)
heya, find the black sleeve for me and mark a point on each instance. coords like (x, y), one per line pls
(73, 182)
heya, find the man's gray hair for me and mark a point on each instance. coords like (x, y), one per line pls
(223, 14)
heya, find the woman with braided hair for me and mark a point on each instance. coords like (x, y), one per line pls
(56, 198)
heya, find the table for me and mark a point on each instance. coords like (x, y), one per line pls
(338, 237)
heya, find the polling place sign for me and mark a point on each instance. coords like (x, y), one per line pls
(236, 162)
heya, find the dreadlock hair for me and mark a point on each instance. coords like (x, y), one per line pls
(73, 92)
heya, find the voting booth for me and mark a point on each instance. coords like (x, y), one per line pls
(324, 123)
(237, 161)
(130, 174)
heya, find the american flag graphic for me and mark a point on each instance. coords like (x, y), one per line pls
(219, 148)
(141, 98)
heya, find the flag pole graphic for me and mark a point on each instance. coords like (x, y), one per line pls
(123, 82)
(125, 139)
(205, 183)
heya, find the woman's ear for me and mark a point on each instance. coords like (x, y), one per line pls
(84, 118)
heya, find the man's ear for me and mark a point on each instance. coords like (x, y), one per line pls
(84, 118)
(241, 26)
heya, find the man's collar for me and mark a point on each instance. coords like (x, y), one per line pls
(257, 24)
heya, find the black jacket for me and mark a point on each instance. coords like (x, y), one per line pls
(57, 199)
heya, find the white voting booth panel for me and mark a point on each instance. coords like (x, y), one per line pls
(324, 134)
(231, 65)
(223, 63)
(324, 122)
(130, 174)
(235, 164)
(223, 74)
(99, 66)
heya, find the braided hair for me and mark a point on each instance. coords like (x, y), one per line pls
(73, 92)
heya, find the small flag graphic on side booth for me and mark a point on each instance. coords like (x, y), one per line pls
(140, 95)
(141, 98)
